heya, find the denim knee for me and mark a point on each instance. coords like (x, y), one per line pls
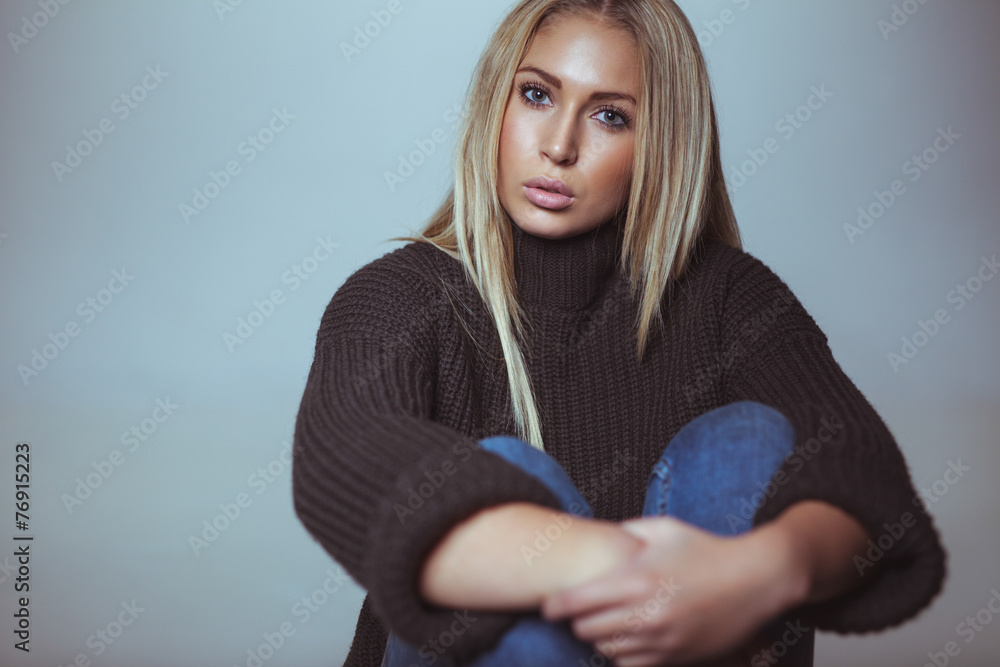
(535, 641)
(768, 427)
(717, 465)
(541, 466)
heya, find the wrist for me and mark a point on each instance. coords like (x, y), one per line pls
(778, 565)
(595, 547)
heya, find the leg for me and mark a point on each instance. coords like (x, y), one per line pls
(532, 640)
(714, 474)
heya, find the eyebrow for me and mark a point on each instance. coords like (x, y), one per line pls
(556, 82)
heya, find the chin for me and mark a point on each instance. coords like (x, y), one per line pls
(552, 227)
(545, 230)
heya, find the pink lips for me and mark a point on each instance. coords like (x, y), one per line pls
(548, 193)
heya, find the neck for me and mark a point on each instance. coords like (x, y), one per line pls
(566, 273)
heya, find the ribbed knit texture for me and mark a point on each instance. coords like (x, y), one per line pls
(399, 394)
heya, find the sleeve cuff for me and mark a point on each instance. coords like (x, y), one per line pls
(432, 496)
(904, 566)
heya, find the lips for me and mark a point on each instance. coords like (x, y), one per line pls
(550, 185)
(548, 193)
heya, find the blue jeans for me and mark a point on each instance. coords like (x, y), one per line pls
(712, 474)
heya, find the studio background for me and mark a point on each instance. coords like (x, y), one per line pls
(196, 404)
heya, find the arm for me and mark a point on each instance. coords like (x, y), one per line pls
(703, 595)
(482, 561)
(845, 456)
(817, 543)
(365, 442)
(495, 559)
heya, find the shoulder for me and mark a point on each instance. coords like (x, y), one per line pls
(721, 264)
(415, 271)
(414, 267)
(743, 287)
(402, 286)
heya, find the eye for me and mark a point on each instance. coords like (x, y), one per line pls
(614, 112)
(536, 95)
(533, 94)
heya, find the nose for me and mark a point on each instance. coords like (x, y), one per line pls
(559, 139)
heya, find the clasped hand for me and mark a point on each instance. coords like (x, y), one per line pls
(687, 595)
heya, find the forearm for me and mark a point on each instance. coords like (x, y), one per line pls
(503, 557)
(817, 543)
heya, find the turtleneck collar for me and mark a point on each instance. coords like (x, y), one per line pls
(566, 273)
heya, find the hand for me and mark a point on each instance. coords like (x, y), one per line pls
(686, 595)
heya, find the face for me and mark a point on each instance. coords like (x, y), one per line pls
(569, 125)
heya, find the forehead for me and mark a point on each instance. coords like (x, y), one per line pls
(584, 52)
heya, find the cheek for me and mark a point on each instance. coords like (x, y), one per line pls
(518, 132)
(514, 147)
(507, 148)
(615, 164)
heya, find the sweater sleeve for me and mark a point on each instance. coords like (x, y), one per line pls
(375, 479)
(773, 352)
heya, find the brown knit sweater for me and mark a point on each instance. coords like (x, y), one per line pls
(399, 394)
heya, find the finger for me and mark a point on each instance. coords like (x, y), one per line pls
(605, 591)
(621, 645)
(644, 659)
(639, 528)
(606, 624)
(626, 643)
(648, 528)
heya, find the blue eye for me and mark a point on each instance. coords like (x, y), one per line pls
(536, 95)
(613, 113)
(626, 120)
(529, 91)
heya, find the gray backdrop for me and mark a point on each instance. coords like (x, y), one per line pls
(172, 168)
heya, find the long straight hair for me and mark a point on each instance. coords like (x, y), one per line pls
(678, 196)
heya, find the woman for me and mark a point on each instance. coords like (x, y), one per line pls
(574, 422)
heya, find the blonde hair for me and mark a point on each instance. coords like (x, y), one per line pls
(678, 194)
